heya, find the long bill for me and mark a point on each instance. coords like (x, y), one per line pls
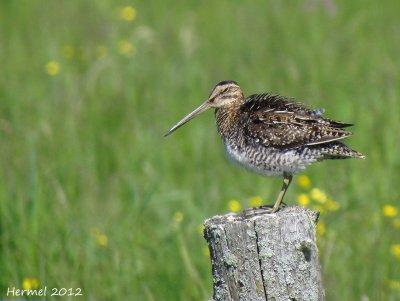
(203, 107)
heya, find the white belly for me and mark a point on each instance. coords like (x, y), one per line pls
(273, 162)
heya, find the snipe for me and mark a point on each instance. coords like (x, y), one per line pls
(272, 135)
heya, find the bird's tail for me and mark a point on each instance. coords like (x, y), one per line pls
(339, 150)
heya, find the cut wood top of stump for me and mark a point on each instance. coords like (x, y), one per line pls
(251, 214)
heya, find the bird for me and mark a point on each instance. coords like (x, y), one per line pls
(272, 135)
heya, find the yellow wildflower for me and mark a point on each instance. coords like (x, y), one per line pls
(331, 205)
(321, 228)
(304, 181)
(127, 13)
(30, 283)
(101, 51)
(100, 238)
(234, 206)
(396, 223)
(126, 48)
(206, 251)
(178, 217)
(68, 51)
(303, 199)
(395, 249)
(318, 195)
(255, 201)
(200, 229)
(389, 211)
(52, 68)
(394, 284)
(320, 209)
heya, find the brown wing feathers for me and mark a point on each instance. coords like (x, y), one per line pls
(280, 122)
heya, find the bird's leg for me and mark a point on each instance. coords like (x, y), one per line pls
(286, 182)
(278, 203)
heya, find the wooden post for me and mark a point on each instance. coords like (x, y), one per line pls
(257, 256)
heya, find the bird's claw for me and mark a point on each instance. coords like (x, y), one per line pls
(250, 212)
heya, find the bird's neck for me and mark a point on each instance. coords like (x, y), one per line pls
(228, 122)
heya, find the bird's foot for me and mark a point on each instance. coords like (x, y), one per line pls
(250, 212)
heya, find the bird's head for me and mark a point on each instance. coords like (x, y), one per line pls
(225, 94)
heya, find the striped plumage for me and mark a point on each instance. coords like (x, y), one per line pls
(273, 135)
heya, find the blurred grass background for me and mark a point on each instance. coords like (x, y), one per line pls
(92, 195)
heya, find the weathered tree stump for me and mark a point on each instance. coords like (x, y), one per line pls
(261, 256)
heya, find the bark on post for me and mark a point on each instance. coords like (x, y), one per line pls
(257, 256)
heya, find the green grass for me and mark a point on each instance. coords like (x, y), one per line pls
(84, 150)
